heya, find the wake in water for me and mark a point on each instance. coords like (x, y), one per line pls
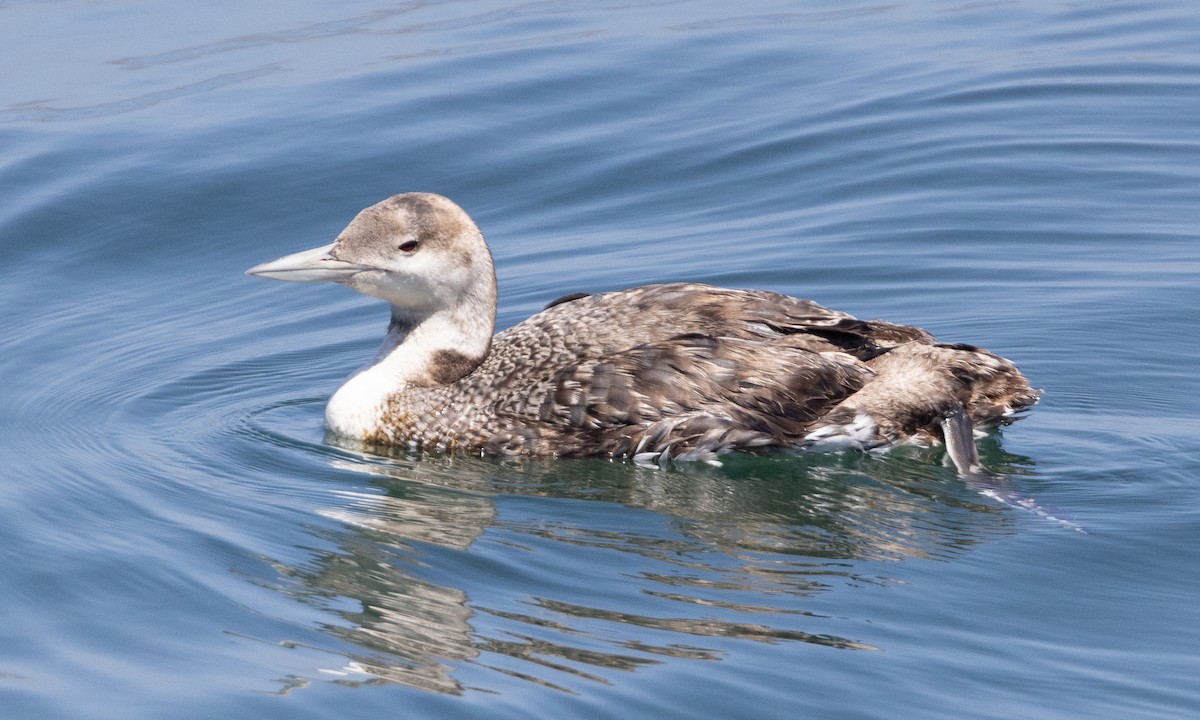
(995, 487)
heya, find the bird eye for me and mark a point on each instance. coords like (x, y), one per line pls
(408, 246)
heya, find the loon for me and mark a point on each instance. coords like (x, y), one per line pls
(679, 371)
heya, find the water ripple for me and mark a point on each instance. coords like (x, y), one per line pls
(1018, 175)
(42, 111)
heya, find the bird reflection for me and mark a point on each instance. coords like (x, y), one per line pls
(735, 555)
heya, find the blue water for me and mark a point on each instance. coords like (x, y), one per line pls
(178, 539)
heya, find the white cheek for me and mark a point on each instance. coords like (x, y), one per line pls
(447, 284)
(423, 281)
(405, 288)
(371, 282)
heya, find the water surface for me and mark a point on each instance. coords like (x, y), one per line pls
(178, 538)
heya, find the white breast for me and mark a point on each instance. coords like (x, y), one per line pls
(355, 409)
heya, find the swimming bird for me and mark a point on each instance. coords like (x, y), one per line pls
(678, 371)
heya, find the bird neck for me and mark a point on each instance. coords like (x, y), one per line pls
(420, 350)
